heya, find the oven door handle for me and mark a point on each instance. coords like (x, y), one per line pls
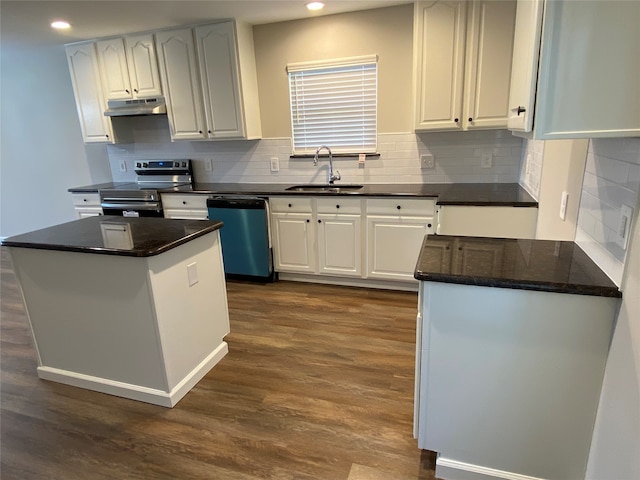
(127, 199)
(132, 206)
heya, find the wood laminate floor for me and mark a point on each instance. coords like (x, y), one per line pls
(318, 384)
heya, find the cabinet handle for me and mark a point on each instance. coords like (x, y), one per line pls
(398, 207)
(456, 120)
(471, 119)
(521, 110)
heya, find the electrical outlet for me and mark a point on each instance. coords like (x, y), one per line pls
(208, 165)
(563, 205)
(486, 160)
(275, 164)
(427, 161)
(123, 166)
(624, 226)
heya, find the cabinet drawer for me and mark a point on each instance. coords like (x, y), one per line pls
(401, 206)
(184, 201)
(86, 199)
(339, 205)
(290, 204)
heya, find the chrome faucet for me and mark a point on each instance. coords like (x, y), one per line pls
(332, 176)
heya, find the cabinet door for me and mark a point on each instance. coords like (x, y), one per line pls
(339, 244)
(440, 50)
(393, 245)
(489, 55)
(143, 66)
(293, 242)
(524, 70)
(218, 56)
(179, 74)
(87, 88)
(113, 68)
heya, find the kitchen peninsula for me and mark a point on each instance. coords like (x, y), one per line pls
(512, 341)
(133, 307)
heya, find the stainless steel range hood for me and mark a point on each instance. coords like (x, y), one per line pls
(147, 106)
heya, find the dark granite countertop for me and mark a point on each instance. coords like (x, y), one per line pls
(543, 265)
(470, 194)
(149, 236)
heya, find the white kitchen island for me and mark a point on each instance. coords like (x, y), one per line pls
(133, 307)
(512, 342)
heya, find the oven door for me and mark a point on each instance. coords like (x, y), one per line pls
(132, 209)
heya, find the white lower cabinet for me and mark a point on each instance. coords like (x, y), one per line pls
(374, 238)
(86, 204)
(293, 235)
(185, 206)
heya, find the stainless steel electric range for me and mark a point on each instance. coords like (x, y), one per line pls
(142, 197)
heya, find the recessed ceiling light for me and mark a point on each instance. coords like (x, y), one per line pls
(60, 24)
(315, 5)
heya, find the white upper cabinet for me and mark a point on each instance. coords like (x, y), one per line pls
(179, 73)
(87, 88)
(129, 67)
(463, 53)
(584, 84)
(209, 77)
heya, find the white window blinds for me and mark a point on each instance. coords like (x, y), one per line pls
(334, 103)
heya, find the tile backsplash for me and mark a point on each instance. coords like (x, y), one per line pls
(458, 157)
(611, 180)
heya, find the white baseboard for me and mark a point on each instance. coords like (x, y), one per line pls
(350, 282)
(449, 469)
(137, 392)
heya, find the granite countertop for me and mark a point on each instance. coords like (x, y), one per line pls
(542, 265)
(470, 194)
(149, 236)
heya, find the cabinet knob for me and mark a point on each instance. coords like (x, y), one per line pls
(456, 120)
(398, 207)
(200, 132)
(308, 220)
(289, 205)
(471, 119)
(107, 135)
(319, 221)
(84, 199)
(337, 206)
(184, 202)
(428, 225)
(135, 90)
(209, 132)
(127, 90)
(520, 110)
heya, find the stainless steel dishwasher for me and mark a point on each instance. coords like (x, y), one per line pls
(246, 246)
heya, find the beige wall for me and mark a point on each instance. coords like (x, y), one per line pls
(386, 32)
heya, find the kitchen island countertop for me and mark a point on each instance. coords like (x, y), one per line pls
(150, 236)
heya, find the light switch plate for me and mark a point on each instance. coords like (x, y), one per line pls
(624, 226)
(427, 161)
(275, 164)
(123, 166)
(207, 164)
(192, 273)
(487, 160)
(564, 199)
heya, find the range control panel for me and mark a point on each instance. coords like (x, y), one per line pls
(164, 165)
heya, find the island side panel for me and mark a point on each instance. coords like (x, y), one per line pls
(91, 315)
(190, 298)
(507, 371)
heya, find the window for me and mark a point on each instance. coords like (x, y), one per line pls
(334, 103)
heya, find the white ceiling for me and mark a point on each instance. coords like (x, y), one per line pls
(26, 23)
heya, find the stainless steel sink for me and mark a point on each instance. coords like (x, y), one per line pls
(324, 188)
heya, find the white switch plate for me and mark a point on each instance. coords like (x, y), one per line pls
(207, 164)
(123, 166)
(624, 226)
(275, 164)
(563, 205)
(427, 161)
(486, 160)
(192, 273)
